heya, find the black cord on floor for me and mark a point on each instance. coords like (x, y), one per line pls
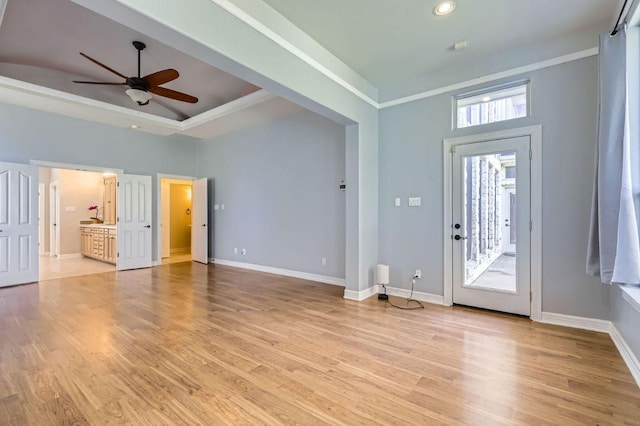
(410, 299)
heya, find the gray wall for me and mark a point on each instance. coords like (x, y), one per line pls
(564, 101)
(279, 185)
(27, 134)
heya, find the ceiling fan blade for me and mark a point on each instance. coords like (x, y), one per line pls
(103, 66)
(99, 82)
(161, 77)
(168, 93)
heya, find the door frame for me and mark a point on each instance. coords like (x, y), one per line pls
(54, 251)
(159, 178)
(54, 217)
(41, 218)
(535, 135)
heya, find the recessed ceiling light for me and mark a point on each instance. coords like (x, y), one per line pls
(134, 126)
(486, 99)
(444, 8)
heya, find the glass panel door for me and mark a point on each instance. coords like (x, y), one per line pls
(490, 225)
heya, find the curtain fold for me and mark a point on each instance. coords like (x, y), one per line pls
(614, 238)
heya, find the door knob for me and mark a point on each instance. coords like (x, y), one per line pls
(204, 224)
(457, 226)
(147, 226)
(458, 237)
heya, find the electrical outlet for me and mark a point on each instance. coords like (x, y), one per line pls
(243, 251)
(324, 261)
(235, 250)
(418, 274)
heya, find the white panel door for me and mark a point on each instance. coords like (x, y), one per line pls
(165, 224)
(200, 221)
(485, 275)
(18, 224)
(134, 222)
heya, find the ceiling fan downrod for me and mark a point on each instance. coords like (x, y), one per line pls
(139, 47)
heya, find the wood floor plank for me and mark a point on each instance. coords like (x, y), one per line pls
(186, 343)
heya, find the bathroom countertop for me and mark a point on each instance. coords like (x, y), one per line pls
(99, 226)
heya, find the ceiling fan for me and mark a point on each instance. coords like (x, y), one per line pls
(140, 88)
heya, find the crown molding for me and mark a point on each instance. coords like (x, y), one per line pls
(235, 105)
(43, 98)
(492, 77)
(267, 32)
(299, 53)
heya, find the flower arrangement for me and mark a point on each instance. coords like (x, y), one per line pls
(95, 209)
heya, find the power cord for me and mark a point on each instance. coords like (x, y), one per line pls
(409, 299)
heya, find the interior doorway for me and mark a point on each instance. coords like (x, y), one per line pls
(76, 224)
(176, 219)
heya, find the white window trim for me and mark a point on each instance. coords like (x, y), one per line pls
(486, 90)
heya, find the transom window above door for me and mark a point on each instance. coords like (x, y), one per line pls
(498, 103)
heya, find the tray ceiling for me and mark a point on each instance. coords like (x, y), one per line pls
(40, 41)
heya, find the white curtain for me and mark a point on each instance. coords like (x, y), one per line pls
(614, 237)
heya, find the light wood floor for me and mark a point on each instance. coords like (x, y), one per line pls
(53, 268)
(193, 344)
(177, 258)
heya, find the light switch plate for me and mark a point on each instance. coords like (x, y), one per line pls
(415, 201)
(216, 206)
(397, 201)
(69, 209)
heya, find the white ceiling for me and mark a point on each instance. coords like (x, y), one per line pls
(389, 40)
(40, 41)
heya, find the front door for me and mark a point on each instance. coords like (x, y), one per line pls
(18, 224)
(491, 261)
(134, 222)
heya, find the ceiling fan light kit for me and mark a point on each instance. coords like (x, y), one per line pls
(139, 96)
(140, 88)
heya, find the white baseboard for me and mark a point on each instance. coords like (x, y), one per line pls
(279, 271)
(435, 299)
(591, 324)
(603, 326)
(627, 354)
(69, 256)
(46, 253)
(361, 295)
(156, 262)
